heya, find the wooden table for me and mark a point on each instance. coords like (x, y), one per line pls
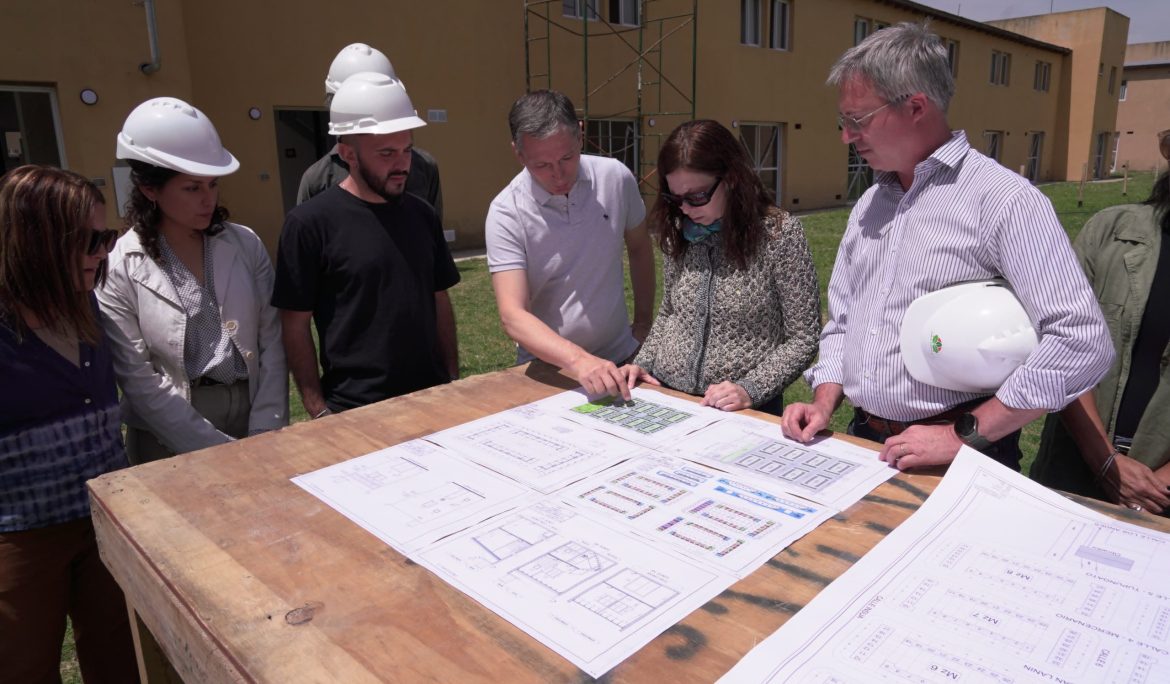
(242, 576)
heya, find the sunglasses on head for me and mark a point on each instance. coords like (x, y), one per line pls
(101, 239)
(694, 199)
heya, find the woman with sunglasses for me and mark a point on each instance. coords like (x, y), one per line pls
(740, 311)
(197, 345)
(59, 426)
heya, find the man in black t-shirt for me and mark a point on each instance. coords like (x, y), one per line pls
(367, 263)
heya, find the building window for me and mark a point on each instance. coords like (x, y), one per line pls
(993, 144)
(1035, 150)
(617, 138)
(1124, 89)
(576, 9)
(779, 26)
(1099, 154)
(1001, 67)
(749, 22)
(32, 127)
(860, 30)
(953, 57)
(1116, 145)
(762, 142)
(1042, 77)
(879, 25)
(1112, 79)
(624, 12)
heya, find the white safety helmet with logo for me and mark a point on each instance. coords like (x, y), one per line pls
(967, 337)
(167, 132)
(371, 103)
(354, 59)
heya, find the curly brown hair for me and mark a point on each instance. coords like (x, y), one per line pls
(143, 215)
(45, 215)
(707, 146)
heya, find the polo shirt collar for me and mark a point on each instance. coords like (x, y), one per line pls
(584, 179)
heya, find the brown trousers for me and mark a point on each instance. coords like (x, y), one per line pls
(46, 574)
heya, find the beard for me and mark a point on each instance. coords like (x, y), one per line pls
(378, 185)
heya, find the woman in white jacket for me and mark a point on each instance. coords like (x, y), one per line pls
(197, 347)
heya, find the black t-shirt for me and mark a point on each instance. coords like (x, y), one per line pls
(369, 273)
(1145, 365)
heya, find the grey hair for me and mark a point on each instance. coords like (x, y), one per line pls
(540, 114)
(900, 60)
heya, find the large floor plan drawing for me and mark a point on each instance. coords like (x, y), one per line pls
(995, 580)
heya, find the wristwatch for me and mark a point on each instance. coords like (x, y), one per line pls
(967, 430)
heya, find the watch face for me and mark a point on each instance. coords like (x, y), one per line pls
(966, 425)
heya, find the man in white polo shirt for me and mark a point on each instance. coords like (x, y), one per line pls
(554, 247)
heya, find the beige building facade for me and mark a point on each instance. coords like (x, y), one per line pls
(1144, 109)
(1096, 39)
(70, 73)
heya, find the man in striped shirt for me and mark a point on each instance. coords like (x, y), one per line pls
(939, 213)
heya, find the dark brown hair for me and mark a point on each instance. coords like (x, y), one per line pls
(706, 146)
(45, 215)
(143, 215)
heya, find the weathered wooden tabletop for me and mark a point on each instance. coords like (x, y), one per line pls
(242, 576)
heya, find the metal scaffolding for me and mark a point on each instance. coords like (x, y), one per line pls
(643, 43)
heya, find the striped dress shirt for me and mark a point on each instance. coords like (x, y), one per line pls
(964, 218)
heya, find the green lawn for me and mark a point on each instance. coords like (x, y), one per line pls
(483, 347)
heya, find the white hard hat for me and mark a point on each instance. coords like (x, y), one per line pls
(354, 59)
(371, 103)
(167, 132)
(967, 337)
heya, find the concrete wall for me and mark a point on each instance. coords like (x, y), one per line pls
(76, 44)
(1097, 40)
(1146, 108)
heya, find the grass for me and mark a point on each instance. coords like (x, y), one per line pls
(483, 346)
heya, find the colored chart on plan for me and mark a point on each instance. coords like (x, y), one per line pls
(638, 415)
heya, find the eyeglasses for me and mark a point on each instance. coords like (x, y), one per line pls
(694, 199)
(859, 123)
(101, 239)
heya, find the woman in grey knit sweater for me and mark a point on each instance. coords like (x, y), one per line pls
(740, 312)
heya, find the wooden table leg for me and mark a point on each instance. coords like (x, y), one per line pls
(153, 666)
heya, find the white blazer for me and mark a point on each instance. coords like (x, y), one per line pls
(146, 325)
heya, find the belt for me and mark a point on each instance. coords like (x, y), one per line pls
(888, 428)
(205, 381)
(1122, 444)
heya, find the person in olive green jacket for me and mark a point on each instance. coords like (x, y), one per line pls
(1113, 443)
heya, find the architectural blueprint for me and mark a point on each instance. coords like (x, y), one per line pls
(734, 523)
(994, 580)
(650, 418)
(593, 593)
(829, 471)
(412, 494)
(535, 447)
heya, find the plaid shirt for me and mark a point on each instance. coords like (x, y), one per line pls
(59, 426)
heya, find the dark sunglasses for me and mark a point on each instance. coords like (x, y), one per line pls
(101, 239)
(694, 199)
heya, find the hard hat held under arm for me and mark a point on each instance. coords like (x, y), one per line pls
(371, 103)
(968, 337)
(168, 132)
